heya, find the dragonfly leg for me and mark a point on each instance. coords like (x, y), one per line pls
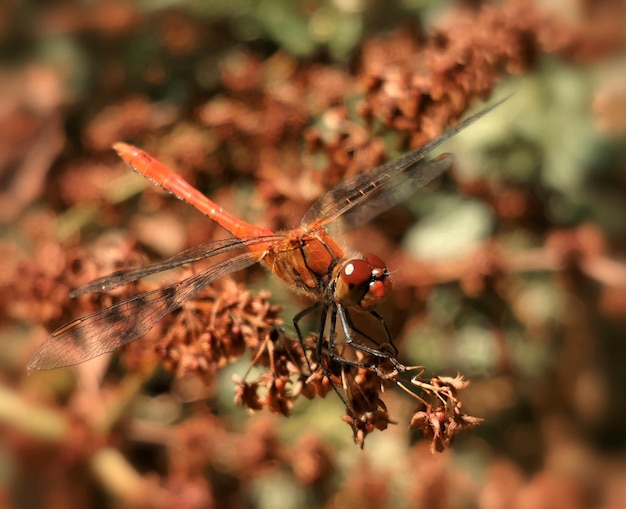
(350, 330)
(319, 347)
(332, 356)
(323, 308)
(390, 342)
(296, 324)
(332, 339)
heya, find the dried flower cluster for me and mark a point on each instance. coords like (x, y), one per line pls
(224, 323)
(219, 96)
(442, 419)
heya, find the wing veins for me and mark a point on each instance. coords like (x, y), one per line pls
(355, 190)
(193, 254)
(107, 329)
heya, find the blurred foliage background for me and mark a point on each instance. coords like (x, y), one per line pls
(510, 271)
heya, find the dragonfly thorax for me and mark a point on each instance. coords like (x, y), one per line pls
(362, 282)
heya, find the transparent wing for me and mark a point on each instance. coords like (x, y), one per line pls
(395, 191)
(114, 326)
(193, 254)
(409, 169)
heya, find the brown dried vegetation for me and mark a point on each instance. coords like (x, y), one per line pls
(222, 113)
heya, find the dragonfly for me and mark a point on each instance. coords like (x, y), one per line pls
(308, 258)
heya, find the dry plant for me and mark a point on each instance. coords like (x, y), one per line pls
(292, 127)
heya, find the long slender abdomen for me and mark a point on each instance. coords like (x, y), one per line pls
(169, 180)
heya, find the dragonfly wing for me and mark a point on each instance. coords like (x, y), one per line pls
(194, 254)
(395, 191)
(114, 326)
(359, 188)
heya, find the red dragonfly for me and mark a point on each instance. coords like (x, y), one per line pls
(308, 258)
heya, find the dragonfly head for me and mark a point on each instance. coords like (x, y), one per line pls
(363, 282)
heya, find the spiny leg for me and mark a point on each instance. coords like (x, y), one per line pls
(296, 324)
(349, 330)
(390, 342)
(379, 346)
(319, 347)
(331, 345)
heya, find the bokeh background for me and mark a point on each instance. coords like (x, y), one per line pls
(511, 270)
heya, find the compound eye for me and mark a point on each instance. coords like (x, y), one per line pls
(356, 272)
(374, 261)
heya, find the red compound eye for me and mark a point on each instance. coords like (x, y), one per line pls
(374, 261)
(356, 272)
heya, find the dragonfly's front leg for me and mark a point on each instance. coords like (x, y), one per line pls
(296, 323)
(389, 342)
(350, 330)
(332, 338)
(320, 346)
